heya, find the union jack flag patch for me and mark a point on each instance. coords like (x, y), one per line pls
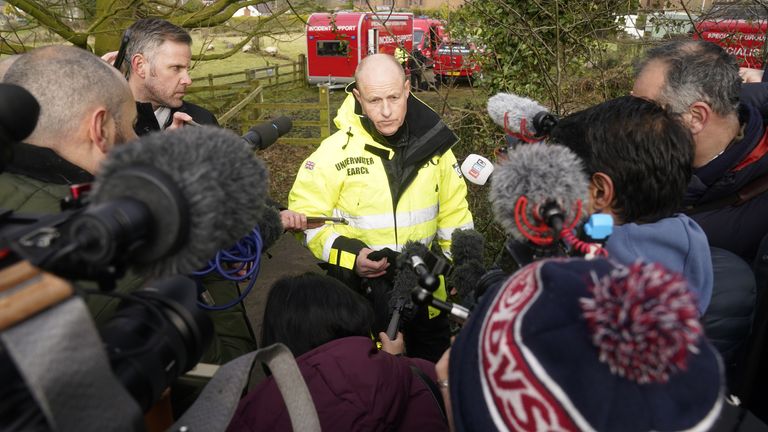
(309, 165)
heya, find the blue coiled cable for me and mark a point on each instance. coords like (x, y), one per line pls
(228, 263)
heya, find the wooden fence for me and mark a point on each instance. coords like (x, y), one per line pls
(237, 99)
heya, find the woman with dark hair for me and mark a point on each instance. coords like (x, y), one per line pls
(304, 312)
(354, 386)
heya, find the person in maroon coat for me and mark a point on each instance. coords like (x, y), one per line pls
(355, 387)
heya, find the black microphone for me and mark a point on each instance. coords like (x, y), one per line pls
(171, 200)
(405, 280)
(265, 134)
(521, 117)
(467, 251)
(539, 191)
(19, 112)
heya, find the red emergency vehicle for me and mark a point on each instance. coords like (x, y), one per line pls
(336, 42)
(743, 39)
(456, 60)
(428, 33)
(451, 59)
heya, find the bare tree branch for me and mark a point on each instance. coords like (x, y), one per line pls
(112, 12)
(49, 20)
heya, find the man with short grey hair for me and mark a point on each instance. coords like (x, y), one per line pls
(86, 108)
(159, 56)
(701, 82)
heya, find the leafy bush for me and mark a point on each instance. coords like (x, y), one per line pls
(534, 47)
(563, 54)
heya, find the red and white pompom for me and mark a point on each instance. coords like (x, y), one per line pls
(644, 322)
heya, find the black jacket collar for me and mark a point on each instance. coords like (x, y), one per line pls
(753, 129)
(146, 121)
(45, 165)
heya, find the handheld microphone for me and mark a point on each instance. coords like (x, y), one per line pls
(169, 201)
(121, 51)
(476, 169)
(521, 117)
(539, 192)
(405, 280)
(400, 300)
(265, 134)
(467, 250)
(19, 112)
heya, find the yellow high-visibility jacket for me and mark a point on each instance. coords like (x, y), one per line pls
(401, 55)
(345, 177)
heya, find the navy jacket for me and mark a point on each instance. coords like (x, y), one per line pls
(738, 229)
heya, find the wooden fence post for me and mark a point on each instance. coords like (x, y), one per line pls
(303, 67)
(325, 111)
(258, 109)
(277, 74)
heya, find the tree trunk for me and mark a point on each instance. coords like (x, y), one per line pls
(108, 34)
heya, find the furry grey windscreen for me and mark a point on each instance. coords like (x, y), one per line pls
(541, 172)
(223, 184)
(270, 226)
(518, 108)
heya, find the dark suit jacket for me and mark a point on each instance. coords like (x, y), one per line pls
(146, 121)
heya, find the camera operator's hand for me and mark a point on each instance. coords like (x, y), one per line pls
(180, 119)
(367, 268)
(750, 75)
(294, 221)
(110, 57)
(394, 347)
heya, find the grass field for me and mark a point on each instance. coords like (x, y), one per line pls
(289, 46)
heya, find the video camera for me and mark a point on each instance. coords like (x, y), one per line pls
(147, 212)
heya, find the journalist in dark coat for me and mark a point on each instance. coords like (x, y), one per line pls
(147, 122)
(700, 81)
(354, 386)
(158, 57)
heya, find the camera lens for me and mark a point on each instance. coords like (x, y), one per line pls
(153, 341)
